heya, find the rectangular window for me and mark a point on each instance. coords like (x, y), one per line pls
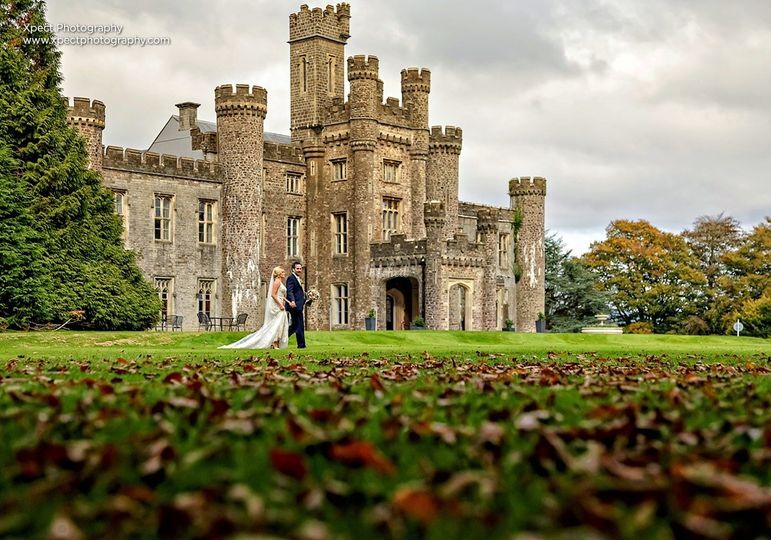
(340, 293)
(504, 246)
(163, 287)
(121, 210)
(163, 218)
(331, 65)
(293, 236)
(341, 233)
(206, 296)
(206, 222)
(391, 171)
(390, 217)
(340, 169)
(303, 73)
(293, 183)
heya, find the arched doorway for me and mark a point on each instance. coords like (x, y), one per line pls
(401, 302)
(459, 303)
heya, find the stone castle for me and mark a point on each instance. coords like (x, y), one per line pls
(364, 193)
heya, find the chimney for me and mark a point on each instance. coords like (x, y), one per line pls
(187, 115)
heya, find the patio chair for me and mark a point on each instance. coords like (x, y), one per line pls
(204, 321)
(176, 323)
(239, 322)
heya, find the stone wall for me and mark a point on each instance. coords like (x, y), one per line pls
(183, 259)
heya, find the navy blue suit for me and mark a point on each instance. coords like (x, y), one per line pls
(296, 294)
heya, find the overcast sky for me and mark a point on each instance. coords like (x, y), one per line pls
(654, 109)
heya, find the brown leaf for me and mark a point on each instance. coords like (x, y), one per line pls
(361, 454)
(291, 464)
(419, 504)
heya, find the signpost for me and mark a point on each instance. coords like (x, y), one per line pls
(738, 327)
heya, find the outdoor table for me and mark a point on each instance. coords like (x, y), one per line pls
(221, 321)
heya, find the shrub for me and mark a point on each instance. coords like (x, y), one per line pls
(640, 327)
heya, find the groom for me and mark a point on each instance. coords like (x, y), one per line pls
(295, 301)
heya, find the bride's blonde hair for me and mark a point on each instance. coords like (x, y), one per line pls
(276, 271)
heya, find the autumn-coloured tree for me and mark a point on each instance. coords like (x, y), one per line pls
(711, 239)
(748, 283)
(649, 274)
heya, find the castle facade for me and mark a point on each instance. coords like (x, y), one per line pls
(363, 192)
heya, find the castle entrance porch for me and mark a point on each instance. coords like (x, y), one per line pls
(460, 307)
(401, 302)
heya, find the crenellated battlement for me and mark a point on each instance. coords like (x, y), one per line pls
(416, 80)
(399, 249)
(331, 22)
(487, 219)
(243, 99)
(363, 67)
(434, 211)
(129, 159)
(283, 152)
(391, 112)
(525, 185)
(84, 111)
(449, 139)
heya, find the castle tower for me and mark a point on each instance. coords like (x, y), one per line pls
(317, 41)
(487, 225)
(416, 85)
(437, 313)
(442, 172)
(365, 97)
(240, 118)
(88, 118)
(529, 196)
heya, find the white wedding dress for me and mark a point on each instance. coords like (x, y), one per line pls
(274, 328)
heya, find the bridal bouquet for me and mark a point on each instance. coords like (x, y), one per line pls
(311, 296)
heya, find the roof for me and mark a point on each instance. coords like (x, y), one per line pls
(179, 143)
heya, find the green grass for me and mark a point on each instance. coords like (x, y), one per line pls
(418, 434)
(93, 345)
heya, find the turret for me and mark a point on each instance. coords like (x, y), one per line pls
(444, 148)
(487, 227)
(364, 101)
(528, 197)
(437, 316)
(88, 118)
(416, 85)
(240, 118)
(366, 87)
(317, 41)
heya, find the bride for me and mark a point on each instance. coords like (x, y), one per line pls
(275, 328)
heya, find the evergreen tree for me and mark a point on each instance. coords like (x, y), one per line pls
(572, 295)
(58, 205)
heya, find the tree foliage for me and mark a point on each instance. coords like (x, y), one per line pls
(62, 245)
(748, 283)
(572, 297)
(649, 274)
(711, 240)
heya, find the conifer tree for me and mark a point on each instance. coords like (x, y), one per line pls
(58, 205)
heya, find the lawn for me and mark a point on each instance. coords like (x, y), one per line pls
(373, 434)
